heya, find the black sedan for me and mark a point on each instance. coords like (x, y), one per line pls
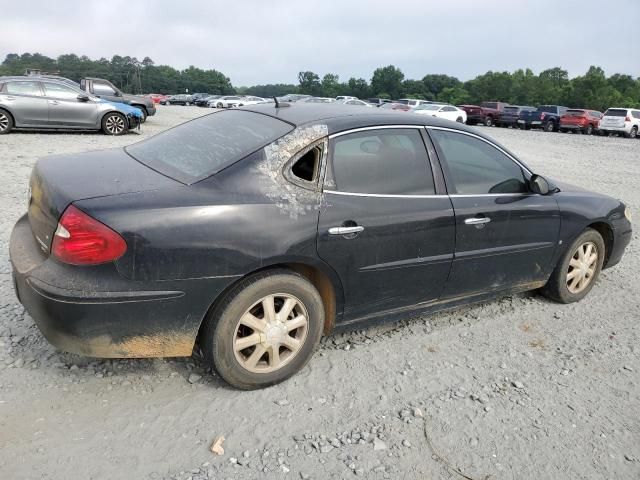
(257, 230)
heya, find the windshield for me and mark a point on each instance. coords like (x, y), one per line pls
(428, 107)
(197, 149)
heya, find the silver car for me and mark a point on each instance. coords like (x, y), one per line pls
(43, 103)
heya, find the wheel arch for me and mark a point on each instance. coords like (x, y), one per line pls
(321, 276)
(606, 231)
(8, 112)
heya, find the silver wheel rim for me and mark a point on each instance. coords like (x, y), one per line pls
(271, 333)
(582, 267)
(114, 124)
(4, 122)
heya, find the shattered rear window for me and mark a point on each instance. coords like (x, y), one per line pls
(197, 149)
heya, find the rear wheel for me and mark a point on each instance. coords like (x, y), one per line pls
(264, 330)
(488, 122)
(578, 269)
(550, 126)
(220, 105)
(633, 133)
(459, 120)
(589, 130)
(114, 124)
(6, 122)
(168, 102)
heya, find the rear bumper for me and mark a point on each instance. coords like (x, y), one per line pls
(96, 312)
(572, 126)
(623, 129)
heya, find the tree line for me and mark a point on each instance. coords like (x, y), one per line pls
(592, 90)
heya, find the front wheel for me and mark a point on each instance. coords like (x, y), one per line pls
(578, 269)
(264, 330)
(6, 122)
(459, 120)
(114, 124)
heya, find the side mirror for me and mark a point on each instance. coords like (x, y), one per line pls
(539, 185)
(82, 97)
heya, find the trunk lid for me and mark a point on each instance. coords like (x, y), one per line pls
(614, 117)
(60, 180)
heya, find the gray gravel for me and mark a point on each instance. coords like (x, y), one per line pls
(517, 388)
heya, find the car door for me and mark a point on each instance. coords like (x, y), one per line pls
(450, 113)
(506, 236)
(383, 226)
(24, 99)
(69, 107)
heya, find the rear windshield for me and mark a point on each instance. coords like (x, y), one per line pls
(548, 109)
(199, 148)
(615, 112)
(489, 105)
(511, 109)
(575, 112)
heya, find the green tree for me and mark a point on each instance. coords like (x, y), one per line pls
(387, 80)
(331, 85)
(309, 83)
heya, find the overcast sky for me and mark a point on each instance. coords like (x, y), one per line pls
(270, 41)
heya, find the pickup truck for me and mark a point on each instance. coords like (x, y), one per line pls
(99, 87)
(487, 113)
(511, 113)
(546, 117)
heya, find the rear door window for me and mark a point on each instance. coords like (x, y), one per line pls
(384, 161)
(23, 88)
(477, 168)
(197, 149)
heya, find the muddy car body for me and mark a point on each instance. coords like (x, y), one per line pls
(325, 216)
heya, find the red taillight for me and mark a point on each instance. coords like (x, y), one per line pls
(82, 240)
(542, 116)
(627, 118)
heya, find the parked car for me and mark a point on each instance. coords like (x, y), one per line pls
(46, 103)
(180, 99)
(101, 88)
(396, 106)
(378, 101)
(625, 121)
(448, 112)
(487, 113)
(354, 101)
(318, 100)
(226, 101)
(293, 97)
(325, 216)
(580, 121)
(204, 101)
(546, 117)
(197, 96)
(511, 113)
(346, 97)
(412, 102)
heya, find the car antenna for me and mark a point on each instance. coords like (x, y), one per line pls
(280, 105)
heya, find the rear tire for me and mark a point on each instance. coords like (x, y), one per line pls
(550, 126)
(263, 353)
(633, 133)
(565, 288)
(488, 122)
(459, 120)
(114, 123)
(6, 122)
(589, 130)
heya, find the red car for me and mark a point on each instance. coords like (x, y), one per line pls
(396, 106)
(156, 97)
(580, 121)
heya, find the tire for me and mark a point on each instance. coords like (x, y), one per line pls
(550, 126)
(459, 120)
(186, 104)
(557, 288)
(219, 105)
(223, 329)
(562, 130)
(633, 133)
(114, 123)
(168, 102)
(488, 122)
(589, 130)
(6, 122)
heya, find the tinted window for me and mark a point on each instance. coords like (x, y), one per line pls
(548, 109)
(475, 167)
(448, 109)
(616, 112)
(386, 161)
(635, 113)
(199, 148)
(489, 105)
(23, 88)
(60, 91)
(511, 109)
(102, 89)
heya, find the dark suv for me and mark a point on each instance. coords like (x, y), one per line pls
(106, 90)
(546, 117)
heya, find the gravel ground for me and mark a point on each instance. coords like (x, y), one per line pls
(517, 388)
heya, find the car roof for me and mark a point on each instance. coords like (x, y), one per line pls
(339, 117)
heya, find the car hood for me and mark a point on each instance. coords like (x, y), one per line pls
(124, 108)
(137, 99)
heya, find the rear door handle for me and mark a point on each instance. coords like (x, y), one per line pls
(345, 230)
(477, 220)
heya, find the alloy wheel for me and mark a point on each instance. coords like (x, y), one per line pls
(270, 333)
(634, 132)
(4, 122)
(114, 124)
(582, 267)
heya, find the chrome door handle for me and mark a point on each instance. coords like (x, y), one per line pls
(477, 220)
(345, 230)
